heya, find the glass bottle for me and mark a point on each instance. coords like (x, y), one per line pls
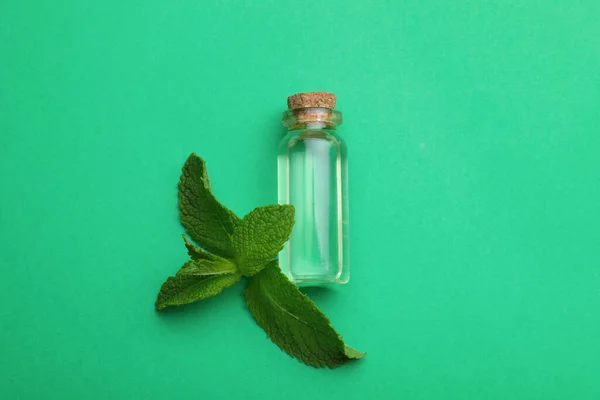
(313, 176)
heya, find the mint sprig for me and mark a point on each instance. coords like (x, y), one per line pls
(227, 248)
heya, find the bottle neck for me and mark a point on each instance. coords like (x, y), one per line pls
(311, 118)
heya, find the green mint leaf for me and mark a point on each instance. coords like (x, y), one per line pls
(196, 253)
(207, 221)
(293, 321)
(197, 280)
(352, 353)
(260, 236)
(208, 267)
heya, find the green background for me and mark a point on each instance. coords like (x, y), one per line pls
(473, 129)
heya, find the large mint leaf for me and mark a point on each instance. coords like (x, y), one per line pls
(197, 280)
(293, 321)
(207, 221)
(261, 235)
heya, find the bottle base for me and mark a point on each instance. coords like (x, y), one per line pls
(312, 280)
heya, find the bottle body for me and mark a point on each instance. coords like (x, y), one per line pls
(313, 177)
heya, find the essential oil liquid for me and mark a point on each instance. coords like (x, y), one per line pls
(312, 169)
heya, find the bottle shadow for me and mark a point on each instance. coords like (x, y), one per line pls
(319, 294)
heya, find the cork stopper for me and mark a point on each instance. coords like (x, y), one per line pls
(311, 99)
